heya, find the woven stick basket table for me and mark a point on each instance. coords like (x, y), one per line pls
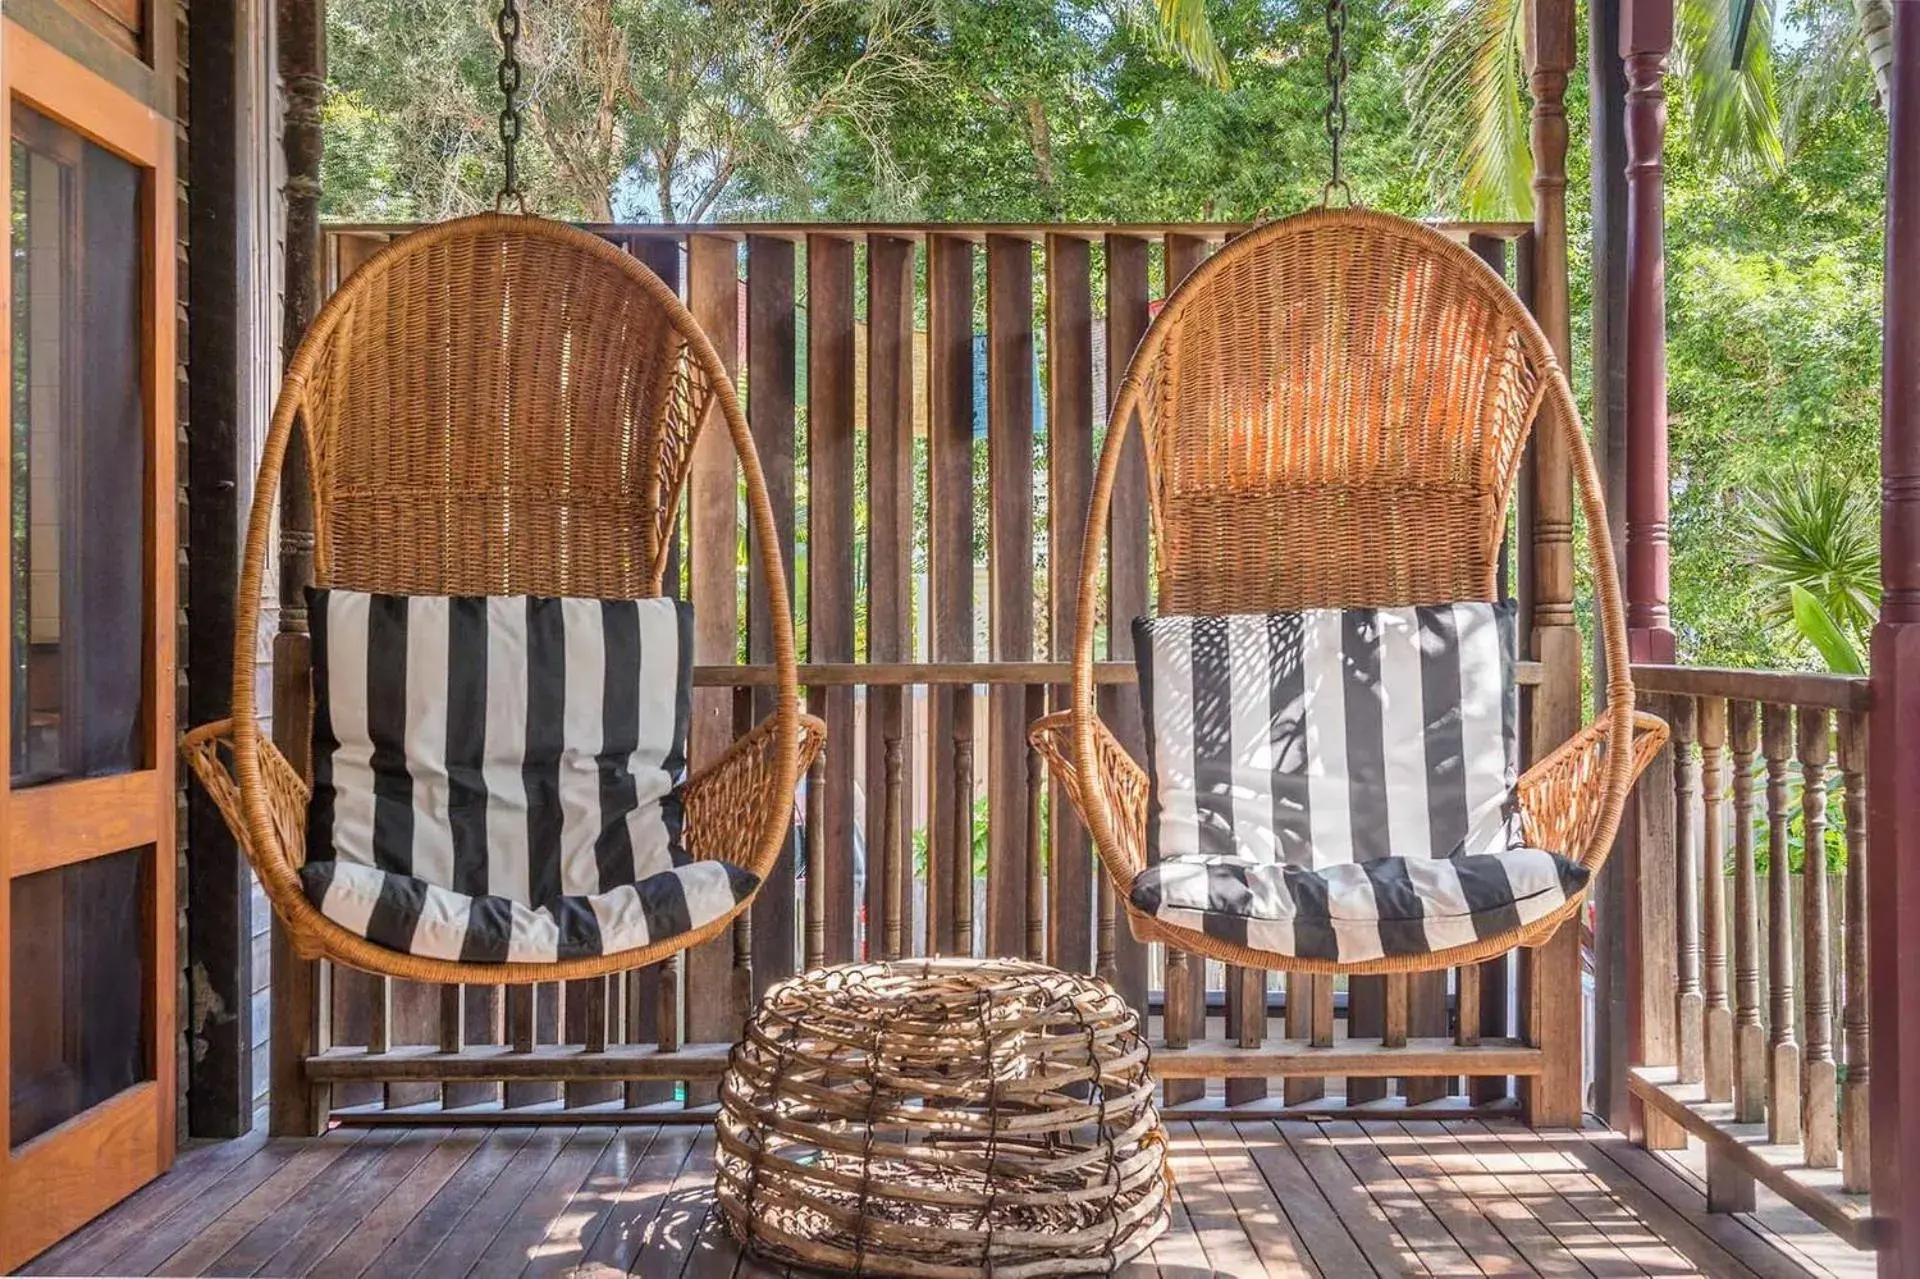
(943, 1119)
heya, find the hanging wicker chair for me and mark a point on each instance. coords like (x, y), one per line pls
(1334, 409)
(499, 405)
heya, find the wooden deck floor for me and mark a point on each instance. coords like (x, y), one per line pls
(1257, 1198)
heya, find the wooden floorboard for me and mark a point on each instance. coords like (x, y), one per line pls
(1252, 1198)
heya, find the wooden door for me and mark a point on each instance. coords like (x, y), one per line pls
(87, 926)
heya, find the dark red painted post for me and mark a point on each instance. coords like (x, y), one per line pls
(1646, 37)
(1893, 768)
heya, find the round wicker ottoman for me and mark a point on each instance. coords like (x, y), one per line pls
(943, 1119)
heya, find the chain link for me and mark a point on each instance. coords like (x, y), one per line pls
(509, 78)
(1336, 113)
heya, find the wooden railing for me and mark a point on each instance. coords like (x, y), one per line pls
(927, 705)
(1751, 1003)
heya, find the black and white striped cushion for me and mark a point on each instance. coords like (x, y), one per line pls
(1330, 736)
(1356, 911)
(499, 779)
(1338, 784)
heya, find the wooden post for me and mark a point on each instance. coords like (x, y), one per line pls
(1550, 999)
(1893, 766)
(1645, 872)
(301, 991)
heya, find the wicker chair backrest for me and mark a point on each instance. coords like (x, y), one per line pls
(1334, 412)
(500, 411)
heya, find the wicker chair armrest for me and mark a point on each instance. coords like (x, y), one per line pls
(729, 799)
(1122, 782)
(209, 753)
(1560, 798)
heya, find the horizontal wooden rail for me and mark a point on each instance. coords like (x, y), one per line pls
(1778, 1166)
(947, 674)
(975, 232)
(1781, 688)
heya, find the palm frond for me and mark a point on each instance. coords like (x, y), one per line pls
(1736, 109)
(1470, 108)
(1189, 33)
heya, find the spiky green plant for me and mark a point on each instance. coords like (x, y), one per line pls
(1816, 552)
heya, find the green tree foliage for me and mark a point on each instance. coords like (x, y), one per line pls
(1028, 110)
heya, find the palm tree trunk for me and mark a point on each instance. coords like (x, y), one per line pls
(1876, 33)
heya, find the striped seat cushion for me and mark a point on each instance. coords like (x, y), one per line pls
(499, 779)
(1355, 911)
(1330, 736)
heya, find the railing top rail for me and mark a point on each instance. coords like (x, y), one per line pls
(905, 674)
(920, 230)
(1784, 688)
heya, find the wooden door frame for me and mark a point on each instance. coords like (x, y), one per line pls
(59, 1179)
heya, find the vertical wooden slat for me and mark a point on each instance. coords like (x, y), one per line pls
(1819, 1082)
(1718, 1016)
(1010, 578)
(585, 1013)
(771, 365)
(949, 552)
(1183, 254)
(830, 537)
(1783, 1055)
(1069, 490)
(479, 1022)
(1689, 1002)
(890, 537)
(1749, 1037)
(1855, 1119)
(1128, 259)
(713, 530)
(653, 993)
(1303, 1022)
(1366, 1019)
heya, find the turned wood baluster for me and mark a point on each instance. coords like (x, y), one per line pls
(960, 941)
(1036, 837)
(1106, 959)
(816, 946)
(1783, 1064)
(899, 893)
(1718, 1016)
(1690, 1004)
(1749, 1035)
(1819, 1116)
(1855, 1124)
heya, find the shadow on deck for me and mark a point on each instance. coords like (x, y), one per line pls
(1254, 1198)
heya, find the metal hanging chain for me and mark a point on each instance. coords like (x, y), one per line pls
(509, 28)
(1336, 114)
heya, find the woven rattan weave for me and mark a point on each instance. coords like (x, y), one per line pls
(1333, 410)
(943, 1119)
(499, 405)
